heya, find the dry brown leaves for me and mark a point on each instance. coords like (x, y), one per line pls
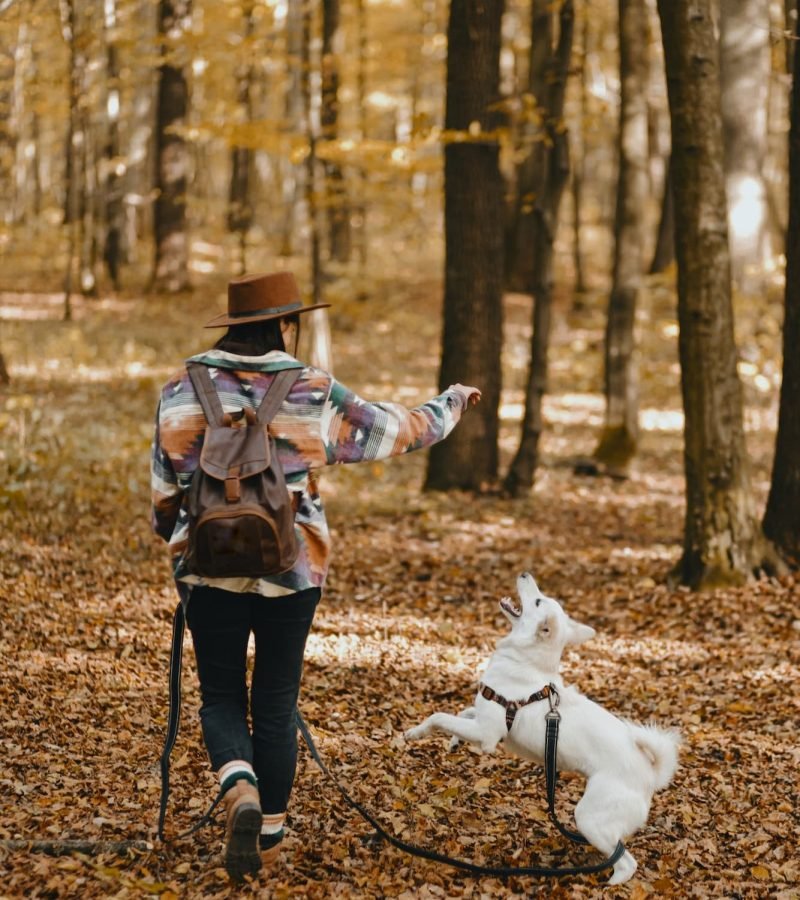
(409, 614)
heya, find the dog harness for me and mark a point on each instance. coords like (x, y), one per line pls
(512, 707)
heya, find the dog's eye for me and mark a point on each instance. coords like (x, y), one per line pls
(538, 601)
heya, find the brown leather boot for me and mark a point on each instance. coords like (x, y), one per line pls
(243, 808)
(270, 844)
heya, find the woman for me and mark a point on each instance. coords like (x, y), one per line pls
(320, 423)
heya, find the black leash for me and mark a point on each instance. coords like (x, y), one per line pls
(551, 776)
(463, 865)
(173, 722)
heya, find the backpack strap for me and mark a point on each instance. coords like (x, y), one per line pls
(276, 394)
(206, 394)
(212, 407)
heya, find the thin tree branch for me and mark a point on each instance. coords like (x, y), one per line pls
(64, 848)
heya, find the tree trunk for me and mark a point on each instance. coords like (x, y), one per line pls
(745, 72)
(114, 188)
(338, 206)
(530, 180)
(472, 327)
(88, 203)
(362, 235)
(664, 252)
(72, 172)
(240, 209)
(7, 153)
(321, 354)
(723, 543)
(295, 114)
(7, 139)
(36, 162)
(548, 191)
(620, 434)
(782, 517)
(172, 159)
(578, 158)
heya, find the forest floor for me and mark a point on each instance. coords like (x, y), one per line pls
(409, 614)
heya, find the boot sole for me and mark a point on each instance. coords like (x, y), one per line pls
(241, 852)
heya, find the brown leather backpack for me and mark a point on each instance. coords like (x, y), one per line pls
(241, 519)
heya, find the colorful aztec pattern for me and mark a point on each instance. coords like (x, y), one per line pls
(321, 423)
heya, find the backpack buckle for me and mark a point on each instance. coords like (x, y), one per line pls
(233, 489)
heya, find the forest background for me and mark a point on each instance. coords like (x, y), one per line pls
(484, 192)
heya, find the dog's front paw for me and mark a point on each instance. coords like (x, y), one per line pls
(415, 733)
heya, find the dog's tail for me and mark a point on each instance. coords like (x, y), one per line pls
(661, 747)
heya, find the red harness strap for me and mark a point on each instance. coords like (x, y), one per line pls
(512, 706)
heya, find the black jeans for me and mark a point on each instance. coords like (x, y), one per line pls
(220, 623)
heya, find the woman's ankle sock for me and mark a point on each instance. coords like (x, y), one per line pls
(235, 770)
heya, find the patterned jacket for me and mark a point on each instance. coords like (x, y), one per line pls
(321, 423)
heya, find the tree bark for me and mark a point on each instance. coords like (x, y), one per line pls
(7, 138)
(548, 190)
(338, 206)
(618, 440)
(114, 188)
(530, 180)
(578, 158)
(171, 273)
(361, 210)
(72, 172)
(782, 516)
(321, 354)
(240, 209)
(295, 114)
(723, 542)
(88, 201)
(472, 327)
(745, 72)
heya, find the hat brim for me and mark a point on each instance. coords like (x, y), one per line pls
(225, 320)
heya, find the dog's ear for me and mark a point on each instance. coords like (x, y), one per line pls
(577, 633)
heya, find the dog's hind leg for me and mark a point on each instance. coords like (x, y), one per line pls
(607, 813)
(461, 727)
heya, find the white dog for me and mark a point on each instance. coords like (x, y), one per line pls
(624, 763)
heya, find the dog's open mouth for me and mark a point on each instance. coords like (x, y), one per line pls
(510, 607)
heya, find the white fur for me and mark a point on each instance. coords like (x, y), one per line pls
(624, 763)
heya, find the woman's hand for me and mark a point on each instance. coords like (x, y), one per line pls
(471, 394)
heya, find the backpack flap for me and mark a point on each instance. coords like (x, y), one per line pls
(235, 452)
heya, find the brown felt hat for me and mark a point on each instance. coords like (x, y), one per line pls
(255, 298)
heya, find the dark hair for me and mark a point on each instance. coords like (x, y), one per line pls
(255, 338)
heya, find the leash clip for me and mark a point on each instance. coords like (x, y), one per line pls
(554, 700)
